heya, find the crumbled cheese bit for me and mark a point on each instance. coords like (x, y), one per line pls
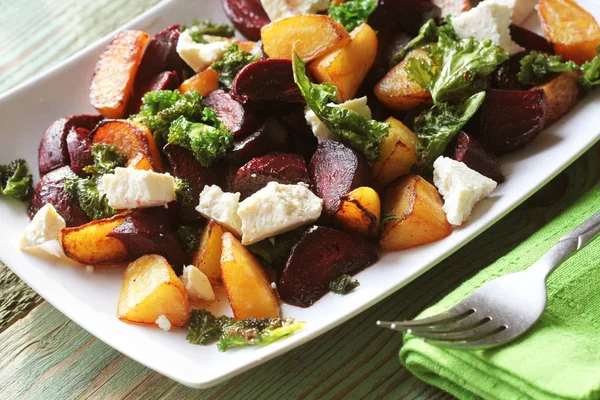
(273, 285)
(200, 56)
(45, 225)
(89, 268)
(197, 284)
(321, 131)
(222, 207)
(137, 188)
(163, 323)
(280, 9)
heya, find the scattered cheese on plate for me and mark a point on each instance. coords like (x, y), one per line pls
(163, 323)
(197, 284)
(319, 129)
(45, 226)
(138, 188)
(200, 56)
(222, 207)
(280, 9)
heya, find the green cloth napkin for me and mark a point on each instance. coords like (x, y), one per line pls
(559, 358)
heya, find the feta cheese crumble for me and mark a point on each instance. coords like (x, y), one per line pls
(197, 284)
(275, 209)
(137, 188)
(321, 131)
(200, 56)
(163, 323)
(45, 225)
(222, 207)
(280, 9)
(461, 188)
(491, 19)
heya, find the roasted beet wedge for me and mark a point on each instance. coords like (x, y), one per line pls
(152, 231)
(505, 76)
(53, 151)
(408, 15)
(303, 140)
(467, 150)
(508, 120)
(167, 80)
(160, 56)
(185, 166)
(51, 190)
(79, 145)
(284, 168)
(321, 255)
(267, 80)
(248, 16)
(272, 136)
(529, 40)
(334, 171)
(236, 118)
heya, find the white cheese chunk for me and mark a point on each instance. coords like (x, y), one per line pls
(163, 323)
(200, 56)
(197, 284)
(45, 225)
(461, 187)
(138, 188)
(279, 9)
(522, 10)
(277, 208)
(319, 129)
(451, 7)
(222, 207)
(489, 20)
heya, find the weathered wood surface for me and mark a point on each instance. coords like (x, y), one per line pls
(46, 356)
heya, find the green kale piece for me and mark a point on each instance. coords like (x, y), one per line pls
(274, 253)
(205, 328)
(591, 72)
(189, 236)
(200, 28)
(162, 107)
(208, 143)
(343, 284)
(428, 33)
(232, 62)
(91, 197)
(184, 192)
(256, 332)
(16, 181)
(457, 68)
(537, 67)
(106, 159)
(362, 134)
(353, 12)
(437, 126)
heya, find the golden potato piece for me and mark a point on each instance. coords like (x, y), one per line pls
(150, 289)
(398, 154)
(208, 256)
(112, 83)
(397, 92)
(131, 138)
(247, 285)
(140, 161)
(204, 82)
(311, 35)
(360, 211)
(414, 214)
(88, 244)
(562, 93)
(347, 67)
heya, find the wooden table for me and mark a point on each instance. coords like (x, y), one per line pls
(45, 355)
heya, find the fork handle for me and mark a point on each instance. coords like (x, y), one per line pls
(567, 245)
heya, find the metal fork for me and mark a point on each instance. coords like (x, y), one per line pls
(502, 309)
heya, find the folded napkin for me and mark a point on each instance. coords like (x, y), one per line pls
(559, 358)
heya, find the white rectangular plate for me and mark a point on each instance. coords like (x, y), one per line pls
(90, 299)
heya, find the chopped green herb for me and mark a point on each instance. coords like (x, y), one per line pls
(343, 284)
(353, 12)
(205, 328)
(232, 62)
(200, 28)
(184, 192)
(106, 159)
(274, 253)
(16, 181)
(189, 237)
(591, 72)
(537, 67)
(427, 34)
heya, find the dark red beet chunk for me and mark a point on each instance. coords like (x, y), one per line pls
(53, 151)
(267, 80)
(167, 80)
(272, 136)
(467, 150)
(529, 40)
(152, 231)
(275, 167)
(248, 16)
(185, 166)
(303, 140)
(236, 118)
(408, 15)
(335, 170)
(80, 149)
(51, 190)
(321, 255)
(505, 76)
(509, 119)
(160, 56)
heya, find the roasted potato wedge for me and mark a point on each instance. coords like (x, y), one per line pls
(415, 214)
(208, 256)
(398, 154)
(397, 92)
(247, 285)
(360, 211)
(204, 82)
(90, 245)
(150, 289)
(562, 94)
(114, 76)
(311, 35)
(140, 161)
(131, 138)
(347, 67)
